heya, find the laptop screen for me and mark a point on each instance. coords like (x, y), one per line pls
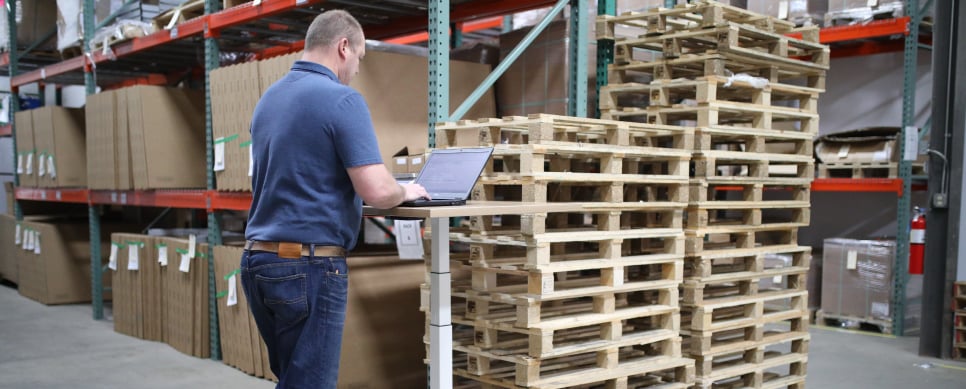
(451, 173)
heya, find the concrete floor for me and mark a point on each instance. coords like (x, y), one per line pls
(62, 347)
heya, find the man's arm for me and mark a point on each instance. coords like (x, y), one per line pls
(379, 189)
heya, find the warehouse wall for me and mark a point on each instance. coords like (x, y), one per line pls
(861, 92)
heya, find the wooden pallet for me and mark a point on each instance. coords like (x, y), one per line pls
(750, 213)
(711, 266)
(710, 344)
(616, 367)
(542, 249)
(698, 15)
(727, 113)
(735, 39)
(631, 217)
(576, 163)
(835, 320)
(600, 190)
(627, 69)
(740, 357)
(713, 164)
(666, 93)
(709, 191)
(858, 170)
(773, 371)
(745, 284)
(743, 311)
(552, 129)
(736, 241)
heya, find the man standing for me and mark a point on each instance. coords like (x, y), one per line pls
(315, 154)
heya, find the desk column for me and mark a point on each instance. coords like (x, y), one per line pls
(440, 322)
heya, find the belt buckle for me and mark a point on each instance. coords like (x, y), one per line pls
(289, 250)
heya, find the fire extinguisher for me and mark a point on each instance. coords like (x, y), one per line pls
(917, 242)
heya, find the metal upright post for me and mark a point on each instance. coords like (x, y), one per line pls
(579, 28)
(93, 213)
(605, 52)
(214, 225)
(438, 65)
(14, 98)
(903, 218)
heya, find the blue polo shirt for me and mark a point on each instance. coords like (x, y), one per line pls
(307, 129)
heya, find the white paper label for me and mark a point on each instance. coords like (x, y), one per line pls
(881, 156)
(408, 239)
(41, 165)
(783, 9)
(30, 163)
(163, 255)
(19, 163)
(880, 309)
(911, 152)
(36, 242)
(251, 161)
(219, 155)
(417, 160)
(851, 259)
(185, 263)
(132, 257)
(232, 291)
(776, 280)
(51, 169)
(16, 236)
(192, 241)
(873, 3)
(112, 262)
(844, 151)
(401, 161)
(29, 241)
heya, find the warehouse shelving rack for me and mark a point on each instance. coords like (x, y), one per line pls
(156, 56)
(161, 57)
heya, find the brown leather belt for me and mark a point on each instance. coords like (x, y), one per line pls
(295, 250)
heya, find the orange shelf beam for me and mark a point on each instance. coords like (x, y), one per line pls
(191, 199)
(893, 185)
(465, 28)
(81, 196)
(6, 130)
(874, 29)
(231, 201)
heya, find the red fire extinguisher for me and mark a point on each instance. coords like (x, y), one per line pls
(917, 242)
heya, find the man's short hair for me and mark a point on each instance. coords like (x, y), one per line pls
(330, 26)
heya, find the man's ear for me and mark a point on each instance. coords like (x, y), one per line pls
(343, 48)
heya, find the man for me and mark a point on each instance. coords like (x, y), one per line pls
(315, 154)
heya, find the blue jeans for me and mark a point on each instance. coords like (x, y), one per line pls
(299, 306)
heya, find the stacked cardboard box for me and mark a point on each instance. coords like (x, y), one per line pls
(137, 275)
(8, 248)
(185, 300)
(26, 151)
(857, 286)
(751, 90)
(236, 90)
(133, 134)
(54, 261)
(586, 296)
(59, 139)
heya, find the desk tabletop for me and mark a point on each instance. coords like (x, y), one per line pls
(475, 208)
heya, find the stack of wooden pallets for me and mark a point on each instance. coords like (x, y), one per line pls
(750, 88)
(959, 320)
(581, 298)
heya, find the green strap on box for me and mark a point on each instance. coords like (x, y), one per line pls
(233, 273)
(226, 139)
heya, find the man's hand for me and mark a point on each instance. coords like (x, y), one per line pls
(414, 192)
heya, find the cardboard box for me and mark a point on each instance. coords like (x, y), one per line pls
(26, 151)
(60, 137)
(797, 11)
(137, 296)
(8, 250)
(167, 137)
(234, 322)
(101, 121)
(38, 17)
(857, 282)
(185, 298)
(58, 272)
(235, 91)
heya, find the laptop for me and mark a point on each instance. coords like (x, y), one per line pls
(449, 176)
